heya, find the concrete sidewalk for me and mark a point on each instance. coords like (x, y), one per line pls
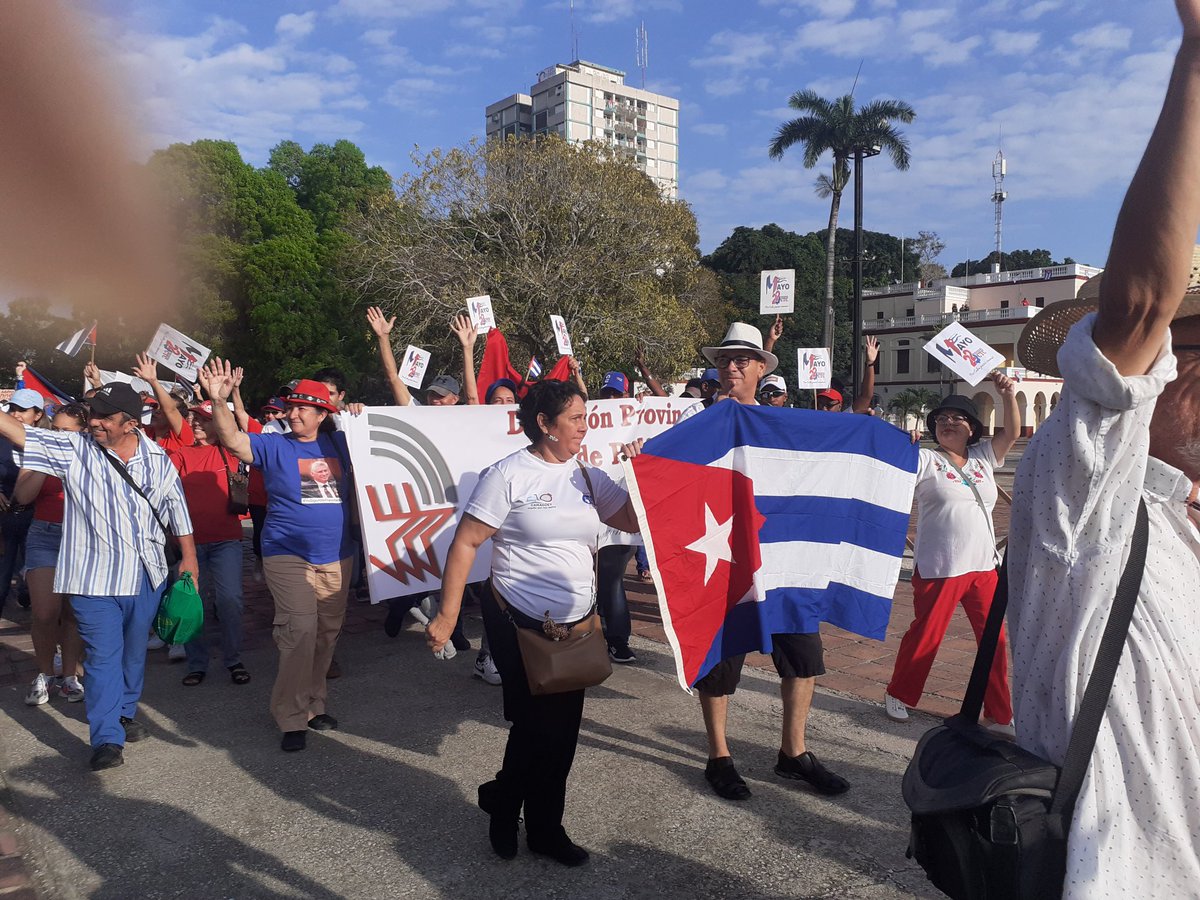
(384, 807)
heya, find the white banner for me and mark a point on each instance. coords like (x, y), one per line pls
(776, 291)
(965, 355)
(177, 351)
(414, 471)
(812, 368)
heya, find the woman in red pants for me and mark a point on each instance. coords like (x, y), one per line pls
(956, 548)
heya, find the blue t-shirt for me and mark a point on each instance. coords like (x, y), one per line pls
(308, 496)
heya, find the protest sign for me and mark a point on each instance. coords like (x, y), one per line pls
(177, 351)
(560, 335)
(416, 361)
(812, 368)
(413, 473)
(777, 291)
(963, 353)
(480, 311)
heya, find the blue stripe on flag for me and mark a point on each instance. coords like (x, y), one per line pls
(705, 437)
(831, 520)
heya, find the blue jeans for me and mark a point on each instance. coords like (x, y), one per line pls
(611, 602)
(643, 562)
(14, 527)
(114, 633)
(220, 580)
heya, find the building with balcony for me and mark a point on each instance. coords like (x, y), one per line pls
(996, 306)
(583, 101)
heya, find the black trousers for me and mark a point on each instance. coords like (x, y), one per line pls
(611, 600)
(544, 732)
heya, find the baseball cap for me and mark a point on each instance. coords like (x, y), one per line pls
(117, 397)
(615, 381)
(446, 385)
(710, 375)
(275, 403)
(27, 399)
(203, 409)
(772, 384)
(830, 394)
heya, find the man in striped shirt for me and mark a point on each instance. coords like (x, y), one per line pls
(112, 562)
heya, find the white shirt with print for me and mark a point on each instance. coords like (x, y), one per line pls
(954, 535)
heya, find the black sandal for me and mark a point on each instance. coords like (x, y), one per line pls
(725, 780)
(239, 674)
(191, 679)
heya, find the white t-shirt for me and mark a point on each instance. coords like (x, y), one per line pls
(546, 529)
(953, 538)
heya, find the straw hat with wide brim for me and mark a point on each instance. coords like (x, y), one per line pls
(1044, 335)
(741, 336)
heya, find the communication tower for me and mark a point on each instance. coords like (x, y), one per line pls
(643, 51)
(999, 169)
(574, 33)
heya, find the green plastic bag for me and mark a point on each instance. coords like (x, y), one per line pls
(181, 612)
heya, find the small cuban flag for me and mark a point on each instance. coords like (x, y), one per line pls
(535, 369)
(84, 337)
(760, 520)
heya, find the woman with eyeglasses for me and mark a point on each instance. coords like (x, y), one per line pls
(956, 553)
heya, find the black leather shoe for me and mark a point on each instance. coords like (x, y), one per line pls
(134, 731)
(397, 609)
(559, 848)
(107, 756)
(322, 722)
(293, 741)
(505, 815)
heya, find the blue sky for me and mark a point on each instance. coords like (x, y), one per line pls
(1073, 87)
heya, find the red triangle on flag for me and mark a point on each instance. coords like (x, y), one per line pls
(701, 525)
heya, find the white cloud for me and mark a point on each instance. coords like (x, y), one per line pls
(1014, 43)
(712, 129)
(1037, 10)
(1105, 36)
(935, 51)
(414, 94)
(706, 180)
(829, 9)
(389, 9)
(725, 87)
(293, 27)
(378, 37)
(851, 37)
(736, 50)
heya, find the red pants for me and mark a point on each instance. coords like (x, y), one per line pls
(934, 600)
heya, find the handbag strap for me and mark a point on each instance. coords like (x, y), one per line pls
(978, 499)
(124, 473)
(587, 479)
(1100, 682)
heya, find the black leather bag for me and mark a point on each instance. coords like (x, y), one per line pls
(990, 820)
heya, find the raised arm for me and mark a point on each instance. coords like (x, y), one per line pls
(382, 326)
(862, 403)
(1004, 438)
(147, 369)
(217, 379)
(774, 334)
(471, 533)
(653, 383)
(13, 430)
(1150, 257)
(91, 372)
(239, 408)
(467, 335)
(577, 374)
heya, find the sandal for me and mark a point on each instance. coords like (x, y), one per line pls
(239, 674)
(191, 679)
(725, 780)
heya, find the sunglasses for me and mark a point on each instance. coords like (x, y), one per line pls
(771, 394)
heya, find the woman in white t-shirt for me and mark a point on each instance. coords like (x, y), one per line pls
(543, 519)
(956, 548)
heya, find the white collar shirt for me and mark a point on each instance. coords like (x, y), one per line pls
(110, 536)
(1136, 829)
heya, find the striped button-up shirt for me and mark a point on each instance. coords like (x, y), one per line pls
(110, 535)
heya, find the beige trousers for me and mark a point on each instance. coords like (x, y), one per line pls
(310, 606)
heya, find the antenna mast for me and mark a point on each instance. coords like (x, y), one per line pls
(643, 51)
(999, 170)
(574, 34)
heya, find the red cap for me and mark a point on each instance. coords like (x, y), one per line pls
(203, 409)
(830, 394)
(311, 393)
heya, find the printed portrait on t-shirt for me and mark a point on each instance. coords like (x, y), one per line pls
(319, 480)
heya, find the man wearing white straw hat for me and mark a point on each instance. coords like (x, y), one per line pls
(742, 364)
(1127, 429)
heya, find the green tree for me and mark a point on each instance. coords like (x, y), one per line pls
(836, 127)
(928, 245)
(543, 227)
(913, 403)
(1013, 261)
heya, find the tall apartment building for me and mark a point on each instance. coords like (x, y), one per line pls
(583, 101)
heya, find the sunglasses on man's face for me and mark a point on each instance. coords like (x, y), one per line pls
(771, 394)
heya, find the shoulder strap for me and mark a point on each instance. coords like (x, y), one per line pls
(124, 473)
(1100, 681)
(595, 553)
(978, 499)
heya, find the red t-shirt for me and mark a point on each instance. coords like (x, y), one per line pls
(48, 505)
(171, 441)
(257, 489)
(206, 487)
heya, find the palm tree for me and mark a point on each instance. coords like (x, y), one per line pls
(836, 127)
(913, 403)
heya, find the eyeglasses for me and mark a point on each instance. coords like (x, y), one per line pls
(740, 361)
(950, 420)
(771, 393)
(826, 403)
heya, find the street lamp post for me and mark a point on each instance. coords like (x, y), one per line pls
(860, 153)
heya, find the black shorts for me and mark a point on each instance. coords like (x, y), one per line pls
(794, 656)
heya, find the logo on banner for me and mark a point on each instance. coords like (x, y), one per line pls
(419, 507)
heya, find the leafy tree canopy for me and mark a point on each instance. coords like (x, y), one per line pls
(1009, 262)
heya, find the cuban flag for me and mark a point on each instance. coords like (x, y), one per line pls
(50, 393)
(84, 337)
(759, 521)
(535, 369)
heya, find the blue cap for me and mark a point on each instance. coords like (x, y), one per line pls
(27, 399)
(499, 383)
(711, 375)
(615, 381)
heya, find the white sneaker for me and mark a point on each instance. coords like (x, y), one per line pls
(154, 642)
(72, 689)
(996, 728)
(39, 691)
(896, 710)
(485, 668)
(177, 653)
(58, 662)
